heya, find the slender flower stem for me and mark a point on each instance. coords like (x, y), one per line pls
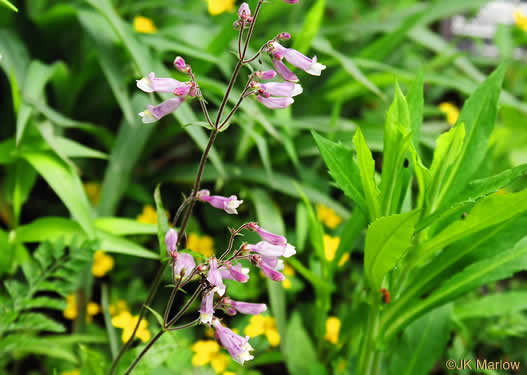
(171, 301)
(186, 306)
(231, 241)
(240, 39)
(183, 326)
(235, 108)
(205, 110)
(151, 294)
(144, 351)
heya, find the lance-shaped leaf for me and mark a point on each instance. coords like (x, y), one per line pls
(490, 211)
(343, 169)
(367, 174)
(387, 241)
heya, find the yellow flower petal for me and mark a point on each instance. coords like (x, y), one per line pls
(71, 308)
(228, 373)
(219, 6)
(122, 320)
(201, 244)
(144, 25)
(204, 352)
(331, 244)
(273, 337)
(286, 283)
(220, 362)
(332, 329)
(343, 259)
(328, 216)
(148, 216)
(256, 326)
(451, 112)
(102, 264)
(520, 19)
(93, 309)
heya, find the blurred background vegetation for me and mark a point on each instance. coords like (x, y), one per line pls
(77, 164)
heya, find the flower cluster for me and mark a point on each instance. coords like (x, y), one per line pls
(265, 255)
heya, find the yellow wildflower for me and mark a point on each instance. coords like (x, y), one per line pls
(208, 351)
(520, 19)
(93, 191)
(331, 244)
(343, 259)
(71, 311)
(71, 372)
(219, 6)
(451, 112)
(127, 322)
(328, 216)
(332, 329)
(201, 244)
(259, 325)
(119, 307)
(102, 264)
(148, 216)
(288, 271)
(144, 25)
(228, 373)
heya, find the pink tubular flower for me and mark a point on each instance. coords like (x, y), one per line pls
(229, 204)
(275, 102)
(281, 88)
(180, 65)
(207, 309)
(168, 85)
(214, 277)
(183, 265)
(152, 114)
(284, 71)
(267, 249)
(265, 75)
(291, 1)
(273, 239)
(266, 265)
(295, 58)
(236, 272)
(171, 242)
(237, 346)
(245, 307)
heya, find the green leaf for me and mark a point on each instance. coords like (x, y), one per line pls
(9, 5)
(343, 169)
(415, 99)
(157, 315)
(66, 184)
(312, 21)
(479, 116)
(162, 222)
(123, 226)
(35, 322)
(300, 354)
(387, 241)
(367, 174)
(423, 343)
(447, 152)
(488, 212)
(93, 362)
(497, 267)
(490, 306)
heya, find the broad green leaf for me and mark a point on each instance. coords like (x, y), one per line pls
(488, 212)
(7, 4)
(490, 306)
(162, 222)
(66, 184)
(423, 343)
(397, 141)
(24, 180)
(479, 116)
(300, 354)
(447, 152)
(59, 228)
(312, 21)
(15, 60)
(387, 241)
(367, 175)
(342, 167)
(494, 268)
(123, 226)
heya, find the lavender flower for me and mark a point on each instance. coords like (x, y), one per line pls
(229, 204)
(284, 71)
(273, 239)
(244, 307)
(183, 265)
(291, 1)
(167, 85)
(214, 277)
(265, 75)
(295, 58)
(207, 309)
(180, 65)
(237, 346)
(274, 102)
(171, 242)
(267, 249)
(236, 272)
(266, 265)
(152, 114)
(280, 88)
